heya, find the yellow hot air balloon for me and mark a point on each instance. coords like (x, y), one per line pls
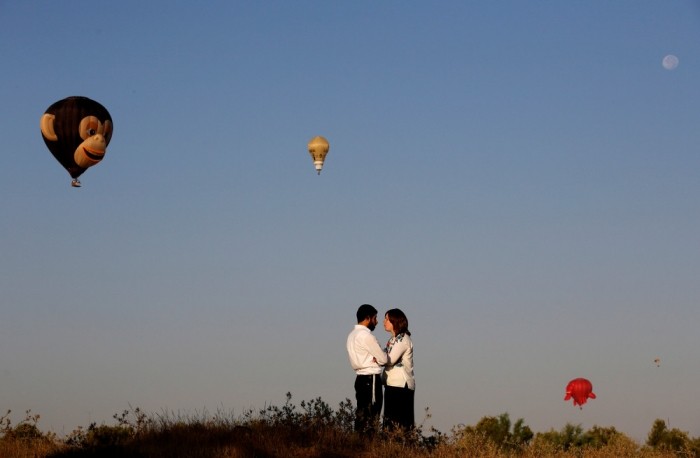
(318, 148)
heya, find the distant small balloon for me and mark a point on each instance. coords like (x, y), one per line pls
(657, 361)
(670, 62)
(318, 148)
(580, 389)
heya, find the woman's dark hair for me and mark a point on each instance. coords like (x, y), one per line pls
(398, 321)
(365, 311)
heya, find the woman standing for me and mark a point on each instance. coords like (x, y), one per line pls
(398, 372)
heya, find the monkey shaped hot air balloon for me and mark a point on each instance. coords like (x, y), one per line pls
(77, 131)
(318, 148)
(580, 390)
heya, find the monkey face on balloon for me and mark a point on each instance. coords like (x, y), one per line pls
(77, 131)
(95, 135)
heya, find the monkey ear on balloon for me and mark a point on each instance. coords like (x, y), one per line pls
(47, 127)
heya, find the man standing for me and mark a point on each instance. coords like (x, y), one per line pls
(367, 359)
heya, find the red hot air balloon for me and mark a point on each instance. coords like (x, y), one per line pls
(580, 390)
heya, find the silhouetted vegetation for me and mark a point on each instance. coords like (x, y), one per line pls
(314, 429)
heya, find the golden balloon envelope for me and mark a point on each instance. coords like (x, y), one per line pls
(318, 148)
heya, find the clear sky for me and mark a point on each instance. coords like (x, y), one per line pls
(521, 178)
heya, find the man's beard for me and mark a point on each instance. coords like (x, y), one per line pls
(371, 326)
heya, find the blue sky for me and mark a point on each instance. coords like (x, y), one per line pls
(521, 178)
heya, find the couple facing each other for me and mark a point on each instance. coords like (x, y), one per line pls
(375, 366)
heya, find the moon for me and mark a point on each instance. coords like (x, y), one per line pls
(670, 62)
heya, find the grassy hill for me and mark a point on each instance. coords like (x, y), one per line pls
(314, 429)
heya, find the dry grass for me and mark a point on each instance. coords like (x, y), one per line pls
(311, 431)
